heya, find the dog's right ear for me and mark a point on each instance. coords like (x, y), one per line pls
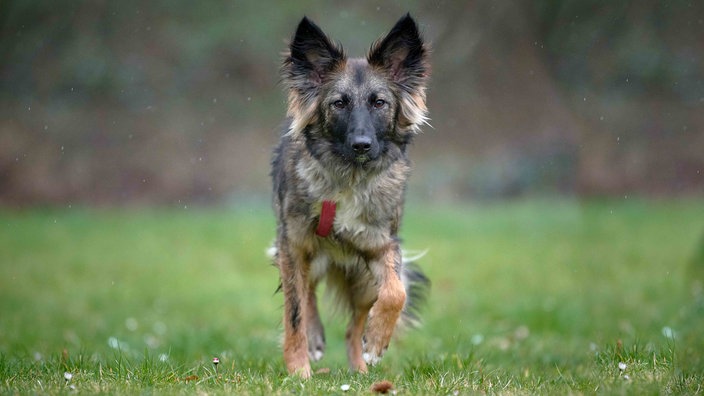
(311, 57)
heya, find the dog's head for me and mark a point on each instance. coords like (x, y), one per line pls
(356, 108)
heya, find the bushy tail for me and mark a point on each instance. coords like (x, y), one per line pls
(417, 287)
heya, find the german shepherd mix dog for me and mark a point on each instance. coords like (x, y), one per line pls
(339, 176)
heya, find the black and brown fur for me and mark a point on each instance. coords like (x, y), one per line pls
(350, 122)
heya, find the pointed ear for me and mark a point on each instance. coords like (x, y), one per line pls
(402, 54)
(312, 55)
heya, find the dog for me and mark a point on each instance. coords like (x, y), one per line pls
(339, 177)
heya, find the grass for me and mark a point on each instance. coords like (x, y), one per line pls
(546, 297)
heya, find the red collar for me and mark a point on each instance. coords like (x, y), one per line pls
(327, 218)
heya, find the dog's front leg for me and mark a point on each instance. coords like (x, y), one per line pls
(388, 306)
(294, 283)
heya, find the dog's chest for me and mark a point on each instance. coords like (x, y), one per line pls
(358, 227)
(353, 213)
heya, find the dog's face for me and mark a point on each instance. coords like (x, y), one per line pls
(356, 109)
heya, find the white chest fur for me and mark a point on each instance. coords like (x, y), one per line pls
(350, 218)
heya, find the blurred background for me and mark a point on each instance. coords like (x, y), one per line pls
(179, 102)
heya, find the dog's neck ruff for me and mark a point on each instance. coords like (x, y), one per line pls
(327, 218)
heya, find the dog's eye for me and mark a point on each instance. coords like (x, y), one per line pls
(379, 103)
(339, 104)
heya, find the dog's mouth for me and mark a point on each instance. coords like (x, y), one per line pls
(362, 159)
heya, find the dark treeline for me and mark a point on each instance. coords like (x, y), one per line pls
(105, 102)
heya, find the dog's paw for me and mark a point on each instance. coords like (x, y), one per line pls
(371, 359)
(316, 345)
(298, 366)
(315, 354)
(303, 372)
(371, 354)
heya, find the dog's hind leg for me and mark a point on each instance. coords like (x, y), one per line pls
(387, 309)
(353, 338)
(295, 286)
(314, 328)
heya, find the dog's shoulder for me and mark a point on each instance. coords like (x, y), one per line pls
(285, 154)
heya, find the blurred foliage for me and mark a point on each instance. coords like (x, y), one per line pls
(635, 48)
(176, 101)
(131, 53)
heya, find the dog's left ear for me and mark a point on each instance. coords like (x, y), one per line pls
(402, 55)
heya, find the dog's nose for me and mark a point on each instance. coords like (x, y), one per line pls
(361, 144)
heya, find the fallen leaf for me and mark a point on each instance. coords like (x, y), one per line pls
(382, 386)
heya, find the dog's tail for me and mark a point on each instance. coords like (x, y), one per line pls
(417, 287)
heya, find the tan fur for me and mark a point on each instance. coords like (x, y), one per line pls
(387, 309)
(353, 338)
(294, 280)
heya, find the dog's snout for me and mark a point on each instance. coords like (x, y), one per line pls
(361, 144)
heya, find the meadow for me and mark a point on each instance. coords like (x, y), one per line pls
(528, 297)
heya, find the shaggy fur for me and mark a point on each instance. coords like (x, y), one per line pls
(349, 124)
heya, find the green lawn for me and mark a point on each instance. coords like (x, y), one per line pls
(543, 296)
